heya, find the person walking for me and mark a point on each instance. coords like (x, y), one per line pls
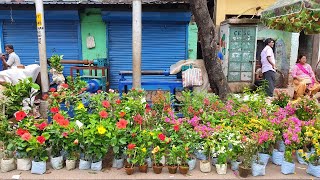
(269, 66)
(13, 59)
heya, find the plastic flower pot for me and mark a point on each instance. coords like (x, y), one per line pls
(205, 166)
(118, 163)
(287, 167)
(96, 166)
(183, 169)
(172, 169)
(7, 165)
(56, 162)
(129, 169)
(70, 164)
(258, 169)
(149, 162)
(300, 159)
(235, 165)
(192, 163)
(264, 158)
(277, 157)
(38, 167)
(244, 172)
(84, 165)
(23, 164)
(221, 168)
(157, 168)
(313, 170)
(143, 168)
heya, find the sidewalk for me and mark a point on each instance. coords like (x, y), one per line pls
(272, 172)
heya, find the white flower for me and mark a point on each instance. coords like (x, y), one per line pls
(246, 98)
(143, 100)
(79, 124)
(127, 108)
(111, 90)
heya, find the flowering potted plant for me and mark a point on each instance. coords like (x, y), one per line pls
(281, 98)
(312, 135)
(132, 160)
(159, 143)
(249, 149)
(57, 133)
(71, 145)
(172, 157)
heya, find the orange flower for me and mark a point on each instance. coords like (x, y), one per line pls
(58, 117)
(54, 110)
(122, 114)
(131, 146)
(122, 124)
(41, 126)
(64, 85)
(118, 101)
(138, 119)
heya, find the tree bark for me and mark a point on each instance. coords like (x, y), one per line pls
(206, 30)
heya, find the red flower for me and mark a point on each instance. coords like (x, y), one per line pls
(176, 127)
(52, 89)
(103, 114)
(133, 135)
(162, 137)
(65, 134)
(20, 115)
(83, 89)
(45, 96)
(58, 117)
(54, 110)
(21, 131)
(148, 108)
(122, 114)
(26, 136)
(138, 119)
(118, 101)
(64, 85)
(131, 146)
(63, 123)
(99, 91)
(122, 124)
(55, 94)
(206, 102)
(41, 139)
(41, 126)
(106, 104)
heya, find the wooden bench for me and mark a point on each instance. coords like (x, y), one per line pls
(171, 84)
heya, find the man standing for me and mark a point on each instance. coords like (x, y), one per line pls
(269, 66)
(13, 59)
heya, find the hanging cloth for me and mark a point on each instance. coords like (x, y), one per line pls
(90, 42)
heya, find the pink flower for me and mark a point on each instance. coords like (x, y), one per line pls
(287, 142)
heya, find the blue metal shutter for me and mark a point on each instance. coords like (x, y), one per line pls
(62, 37)
(163, 44)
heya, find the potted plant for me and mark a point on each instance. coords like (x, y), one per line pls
(205, 165)
(6, 137)
(71, 145)
(131, 154)
(56, 69)
(249, 149)
(57, 132)
(172, 158)
(313, 159)
(39, 153)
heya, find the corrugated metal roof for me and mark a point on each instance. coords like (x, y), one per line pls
(93, 1)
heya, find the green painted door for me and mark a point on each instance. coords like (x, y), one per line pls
(242, 42)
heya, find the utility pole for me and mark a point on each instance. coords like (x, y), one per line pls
(42, 46)
(42, 56)
(136, 43)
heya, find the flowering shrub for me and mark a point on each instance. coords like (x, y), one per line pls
(281, 98)
(306, 109)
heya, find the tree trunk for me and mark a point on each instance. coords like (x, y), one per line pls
(217, 80)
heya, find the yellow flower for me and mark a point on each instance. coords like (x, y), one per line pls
(318, 152)
(144, 150)
(151, 133)
(144, 131)
(300, 151)
(101, 130)
(155, 150)
(80, 106)
(309, 134)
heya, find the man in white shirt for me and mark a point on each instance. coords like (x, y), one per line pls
(13, 59)
(269, 66)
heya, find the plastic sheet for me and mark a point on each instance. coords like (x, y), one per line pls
(287, 167)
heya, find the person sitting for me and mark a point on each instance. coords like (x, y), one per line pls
(258, 75)
(304, 80)
(13, 59)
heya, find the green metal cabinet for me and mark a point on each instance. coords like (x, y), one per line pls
(240, 49)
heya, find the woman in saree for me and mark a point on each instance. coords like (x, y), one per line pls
(304, 80)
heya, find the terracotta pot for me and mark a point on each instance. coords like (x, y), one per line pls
(143, 168)
(157, 168)
(244, 172)
(129, 170)
(184, 169)
(172, 169)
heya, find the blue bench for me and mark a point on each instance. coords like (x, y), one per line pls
(171, 84)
